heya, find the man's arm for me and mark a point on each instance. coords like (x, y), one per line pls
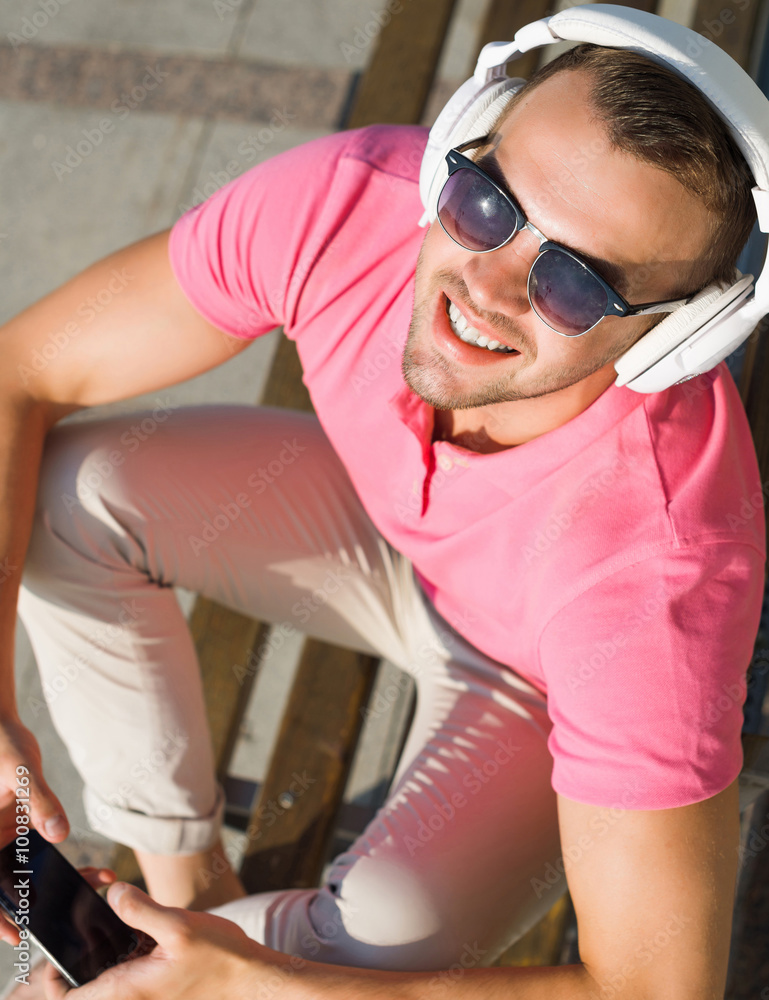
(118, 329)
(653, 892)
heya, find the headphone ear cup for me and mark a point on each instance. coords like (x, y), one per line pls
(481, 109)
(672, 331)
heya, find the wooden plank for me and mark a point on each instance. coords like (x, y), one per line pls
(227, 644)
(502, 21)
(543, 944)
(731, 27)
(504, 18)
(284, 386)
(737, 37)
(734, 31)
(748, 363)
(323, 718)
(294, 820)
(755, 750)
(228, 647)
(754, 774)
(749, 956)
(396, 84)
(757, 406)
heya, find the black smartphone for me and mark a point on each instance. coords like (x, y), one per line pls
(75, 928)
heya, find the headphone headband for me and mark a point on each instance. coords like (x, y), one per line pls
(736, 98)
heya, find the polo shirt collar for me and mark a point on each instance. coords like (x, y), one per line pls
(516, 469)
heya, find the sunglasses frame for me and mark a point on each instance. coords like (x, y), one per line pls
(616, 304)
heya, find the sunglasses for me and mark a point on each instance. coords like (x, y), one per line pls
(565, 292)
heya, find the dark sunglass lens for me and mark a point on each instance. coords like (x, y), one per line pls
(565, 294)
(474, 213)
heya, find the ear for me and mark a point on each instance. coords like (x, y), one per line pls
(476, 120)
(674, 329)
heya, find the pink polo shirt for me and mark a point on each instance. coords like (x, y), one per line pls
(616, 562)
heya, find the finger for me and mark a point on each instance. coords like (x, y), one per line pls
(98, 877)
(54, 987)
(8, 930)
(139, 911)
(46, 811)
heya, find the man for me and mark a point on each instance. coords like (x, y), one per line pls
(575, 534)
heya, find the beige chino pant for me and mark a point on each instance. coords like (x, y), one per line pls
(251, 507)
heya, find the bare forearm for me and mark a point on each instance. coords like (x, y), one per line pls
(569, 982)
(23, 426)
(298, 979)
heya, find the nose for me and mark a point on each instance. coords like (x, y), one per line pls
(497, 280)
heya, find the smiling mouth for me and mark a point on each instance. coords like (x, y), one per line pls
(462, 329)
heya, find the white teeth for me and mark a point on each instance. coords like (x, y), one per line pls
(470, 335)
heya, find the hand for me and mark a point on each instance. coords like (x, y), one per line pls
(198, 956)
(21, 771)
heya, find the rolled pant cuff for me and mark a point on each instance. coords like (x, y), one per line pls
(155, 834)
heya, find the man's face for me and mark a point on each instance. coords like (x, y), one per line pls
(646, 229)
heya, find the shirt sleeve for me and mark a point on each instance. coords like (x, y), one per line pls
(242, 255)
(646, 674)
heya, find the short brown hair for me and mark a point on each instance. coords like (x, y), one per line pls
(654, 114)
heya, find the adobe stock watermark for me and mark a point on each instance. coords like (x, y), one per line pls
(97, 471)
(295, 275)
(275, 640)
(93, 137)
(145, 768)
(225, 7)
(604, 651)
(756, 842)
(265, 816)
(333, 582)
(473, 781)
(7, 569)
(429, 654)
(248, 148)
(471, 957)
(31, 26)
(374, 365)
(588, 494)
(616, 985)
(365, 34)
(302, 610)
(712, 28)
(695, 385)
(102, 637)
(600, 824)
(21, 887)
(407, 510)
(86, 311)
(229, 512)
(749, 508)
(273, 983)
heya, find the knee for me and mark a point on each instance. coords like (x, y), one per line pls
(74, 469)
(384, 916)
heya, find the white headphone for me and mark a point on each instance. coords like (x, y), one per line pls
(718, 319)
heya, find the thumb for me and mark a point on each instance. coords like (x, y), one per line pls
(141, 912)
(33, 796)
(46, 811)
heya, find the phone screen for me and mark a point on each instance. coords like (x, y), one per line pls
(67, 917)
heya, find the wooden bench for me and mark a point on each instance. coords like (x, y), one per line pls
(322, 721)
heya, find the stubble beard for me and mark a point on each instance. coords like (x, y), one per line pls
(439, 382)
